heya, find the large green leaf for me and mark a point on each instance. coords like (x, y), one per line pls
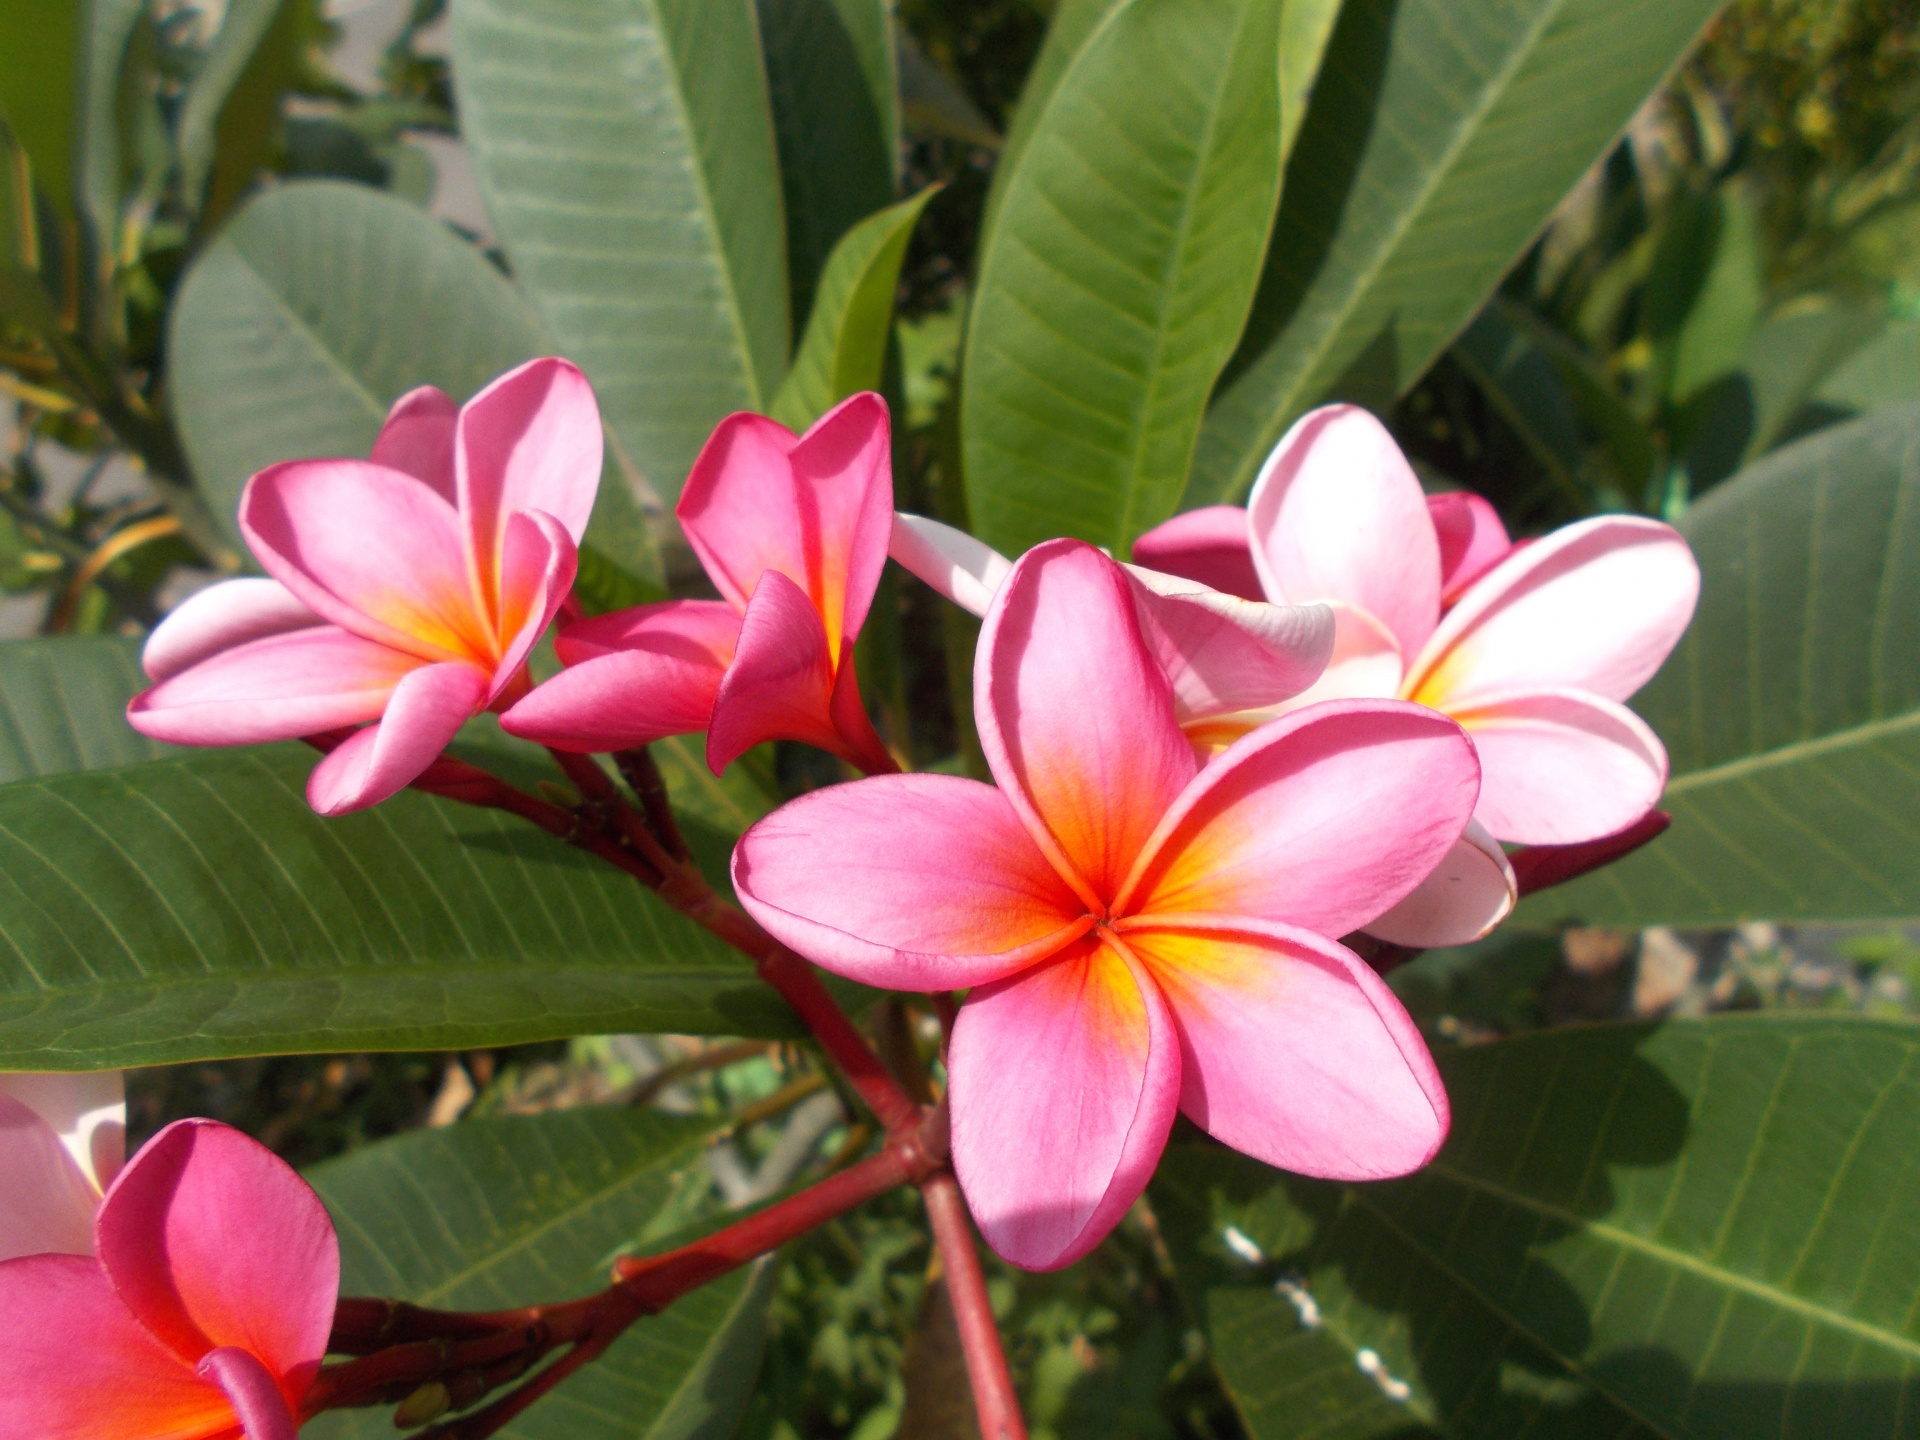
(243, 27)
(1885, 372)
(499, 1213)
(195, 907)
(1791, 710)
(317, 308)
(106, 35)
(845, 346)
(626, 152)
(1707, 1230)
(1440, 136)
(40, 46)
(1117, 272)
(63, 706)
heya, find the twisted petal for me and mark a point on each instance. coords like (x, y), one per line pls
(46, 1204)
(1294, 1052)
(1337, 514)
(967, 571)
(911, 882)
(97, 1375)
(1209, 545)
(529, 441)
(280, 688)
(1222, 654)
(1472, 890)
(1322, 819)
(1561, 766)
(1472, 539)
(780, 684)
(87, 1109)
(425, 712)
(1076, 716)
(1066, 1079)
(252, 1391)
(212, 1240)
(221, 617)
(1594, 606)
(417, 440)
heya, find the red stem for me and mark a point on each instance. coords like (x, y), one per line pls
(994, 1399)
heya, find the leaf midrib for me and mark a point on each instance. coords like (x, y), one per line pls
(1794, 752)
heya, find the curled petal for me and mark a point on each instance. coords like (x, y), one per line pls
(1294, 1052)
(426, 711)
(1365, 662)
(211, 1239)
(1323, 819)
(1560, 766)
(1472, 540)
(911, 882)
(1472, 890)
(538, 560)
(1066, 1079)
(1209, 545)
(255, 1395)
(46, 1204)
(1222, 654)
(280, 688)
(780, 684)
(967, 571)
(1075, 714)
(1594, 606)
(87, 1109)
(417, 440)
(529, 441)
(221, 617)
(1337, 514)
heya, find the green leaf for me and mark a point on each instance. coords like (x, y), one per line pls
(1804, 348)
(1522, 384)
(1712, 341)
(317, 308)
(1073, 22)
(99, 164)
(1791, 710)
(195, 907)
(1305, 28)
(832, 123)
(63, 706)
(1117, 272)
(1440, 136)
(39, 77)
(845, 346)
(1885, 372)
(498, 1213)
(1700, 1231)
(625, 149)
(241, 31)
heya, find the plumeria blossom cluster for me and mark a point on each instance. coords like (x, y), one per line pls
(1282, 727)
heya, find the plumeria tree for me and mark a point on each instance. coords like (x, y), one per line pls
(581, 560)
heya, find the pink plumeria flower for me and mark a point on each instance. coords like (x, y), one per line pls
(406, 589)
(1531, 647)
(792, 531)
(62, 1140)
(1143, 935)
(202, 1314)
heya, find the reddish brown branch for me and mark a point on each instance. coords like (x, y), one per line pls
(994, 1399)
(643, 777)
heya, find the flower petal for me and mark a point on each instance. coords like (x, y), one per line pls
(211, 1239)
(1209, 545)
(529, 441)
(1560, 766)
(632, 677)
(1365, 662)
(1075, 715)
(417, 440)
(911, 882)
(97, 1374)
(1222, 654)
(427, 710)
(1472, 890)
(817, 508)
(1337, 514)
(1293, 1051)
(255, 1395)
(221, 617)
(967, 571)
(46, 1204)
(1472, 539)
(1595, 605)
(1323, 819)
(368, 549)
(87, 1109)
(280, 688)
(538, 561)
(1065, 1081)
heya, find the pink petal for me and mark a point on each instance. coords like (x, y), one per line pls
(859, 743)
(46, 1204)
(1472, 539)
(911, 882)
(427, 710)
(87, 1109)
(780, 684)
(1222, 654)
(1338, 515)
(817, 508)
(1473, 890)
(632, 677)
(1075, 715)
(96, 1375)
(255, 1395)
(1365, 663)
(1595, 606)
(1293, 1051)
(280, 688)
(529, 441)
(1323, 819)
(219, 618)
(1065, 1081)
(1209, 545)
(417, 440)
(211, 1239)
(1560, 766)
(537, 564)
(967, 571)
(370, 550)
